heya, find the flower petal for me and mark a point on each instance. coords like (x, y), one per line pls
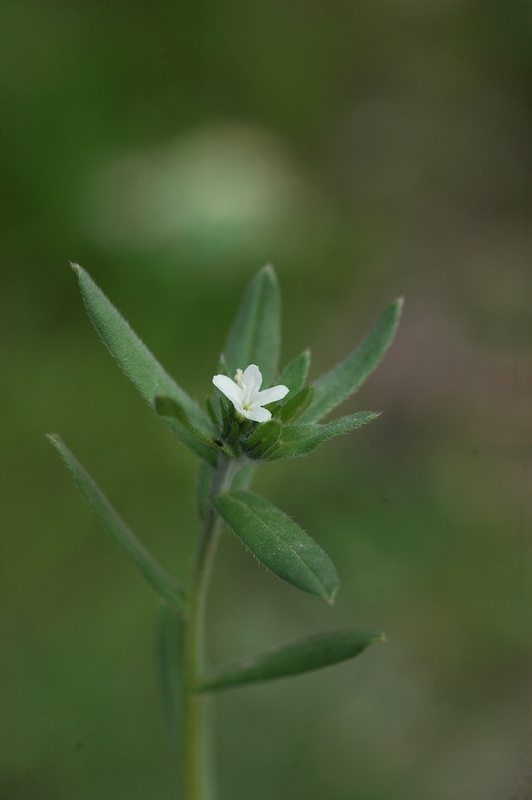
(252, 378)
(230, 389)
(257, 414)
(271, 395)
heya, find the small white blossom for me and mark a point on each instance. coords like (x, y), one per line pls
(244, 393)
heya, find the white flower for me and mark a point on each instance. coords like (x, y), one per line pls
(244, 393)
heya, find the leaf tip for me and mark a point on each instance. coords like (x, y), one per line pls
(399, 303)
(52, 437)
(269, 272)
(75, 267)
(331, 597)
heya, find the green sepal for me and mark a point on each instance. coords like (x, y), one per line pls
(167, 407)
(278, 543)
(262, 439)
(295, 373)
(255, 337)
(296, 406)
(345, 378)
(299, 440)
(227, 415)
(163, 583)
(140, 366)
(315, 652)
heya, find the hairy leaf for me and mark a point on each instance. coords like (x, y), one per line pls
(141, 367)
(296, 406)
(280, 544)
(315, 652)
(203, 430)
(162, 582)
(295, 373)
(299, 440)
(255, 337)
(344, 379)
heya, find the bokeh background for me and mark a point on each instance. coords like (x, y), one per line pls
(366, 150)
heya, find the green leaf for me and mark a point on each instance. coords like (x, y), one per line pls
(344, 379)
(295, 407)
(172, 683)
(162, 582)
(278, 543)
(299, 440)
(295, 373)
(141, 367)
(322, 650)
(167, 407)
(255, 337)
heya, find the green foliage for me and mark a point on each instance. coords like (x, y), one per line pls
(262, 439)
(299, 440)
(140, 365)
(202, 429)
(315, 652)
(295, 373)
(344, 379)
(292, 409)
(281, 545)
(230, 446)
(255, 337)
(162, 582)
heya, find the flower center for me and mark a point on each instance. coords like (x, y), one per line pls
(249, 391)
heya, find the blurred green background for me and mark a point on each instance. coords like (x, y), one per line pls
(366, 150)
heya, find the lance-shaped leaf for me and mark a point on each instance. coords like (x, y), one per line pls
(298, 440)
(202, 429)
(280, 544)
(315, 652)
(162, 582)
(344, 379)
(255, 337)
(295, 373)
(141, 367)
(295, 407)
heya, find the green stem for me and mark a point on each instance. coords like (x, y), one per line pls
(197, 768)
